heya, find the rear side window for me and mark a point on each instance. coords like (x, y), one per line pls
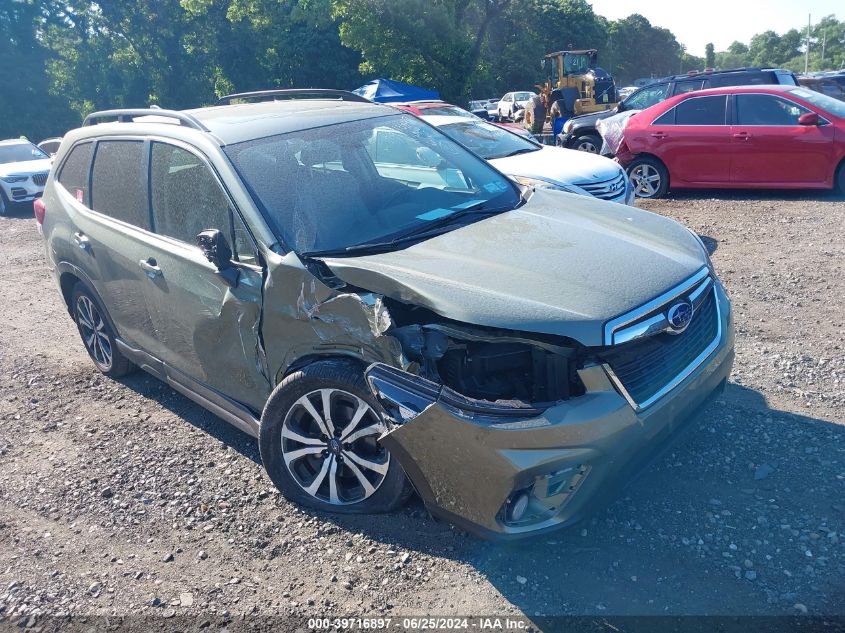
(186, 198)
(683, 87)
(119, 182)
(785, 78)
(74, 174)
(701, 111)
(743, 79)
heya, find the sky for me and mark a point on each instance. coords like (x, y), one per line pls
(723, 21)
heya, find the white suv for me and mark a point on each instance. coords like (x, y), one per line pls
(512, 102)
(23, 173)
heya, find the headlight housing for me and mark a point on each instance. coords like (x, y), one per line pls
(11, 179)
(703, 247)
(567, 127)
(537, 183)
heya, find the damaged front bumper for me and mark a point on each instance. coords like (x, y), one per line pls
(505, 472)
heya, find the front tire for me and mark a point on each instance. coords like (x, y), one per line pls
(649, 177)
(319, 442)
(97, 334)
(4, 204)
(590, 143)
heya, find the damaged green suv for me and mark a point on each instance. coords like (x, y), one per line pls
(383, 309)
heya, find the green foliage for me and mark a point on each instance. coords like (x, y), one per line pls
(710, 55)
(61, 59)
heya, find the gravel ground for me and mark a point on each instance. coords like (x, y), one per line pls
(126, 498)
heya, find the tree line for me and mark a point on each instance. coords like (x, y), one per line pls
(60, 60)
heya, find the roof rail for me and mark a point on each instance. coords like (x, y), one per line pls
(293, 93)
(128, 116)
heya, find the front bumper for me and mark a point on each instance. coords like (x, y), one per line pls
(25, 191)
(471, 466)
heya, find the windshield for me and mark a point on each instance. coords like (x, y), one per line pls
(828, 104)
(340, 186)
(20, 152)
(487, 140)
(646, 97)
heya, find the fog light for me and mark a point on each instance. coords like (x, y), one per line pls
(517, 507)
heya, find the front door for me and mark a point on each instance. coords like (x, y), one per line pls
(770, 147)
(206, 327)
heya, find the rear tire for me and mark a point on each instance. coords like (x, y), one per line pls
(590, 143)
(535, 115)
(649, 177)
(97, 334)
(308, 455)
(840, 178)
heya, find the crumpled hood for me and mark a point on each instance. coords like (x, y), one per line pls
(556, 164)
(26, 167)
(562, 264)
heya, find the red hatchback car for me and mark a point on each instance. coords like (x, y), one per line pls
(743, 137)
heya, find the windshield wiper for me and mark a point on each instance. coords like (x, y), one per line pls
(429, 229)
(523, 150)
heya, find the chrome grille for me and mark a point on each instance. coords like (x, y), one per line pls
(605, 189)
(647, 356)
(40, 179)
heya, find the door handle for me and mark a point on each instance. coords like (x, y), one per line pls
(659, 135)
(150, 267)
(81, 241)
(742, 136)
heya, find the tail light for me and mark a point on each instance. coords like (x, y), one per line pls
(40, 209)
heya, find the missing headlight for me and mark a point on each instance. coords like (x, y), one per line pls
(508, 371)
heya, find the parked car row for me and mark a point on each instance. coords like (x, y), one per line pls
(580, 132)
(778, 137)
(383, 309)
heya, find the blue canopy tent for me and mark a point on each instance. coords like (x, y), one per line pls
(389, 91)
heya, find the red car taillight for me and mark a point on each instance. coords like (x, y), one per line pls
(40, 209)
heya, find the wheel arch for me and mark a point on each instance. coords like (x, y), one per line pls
(654, 158)
(347, 358)
(69, 276)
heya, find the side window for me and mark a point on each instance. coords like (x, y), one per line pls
(387, 146)
(667, 118)
(701, 111)
(682, 87)
(186, 198)
(74, 174)
(119, 182)
(762, 109)
(243, 246)
(647, 97)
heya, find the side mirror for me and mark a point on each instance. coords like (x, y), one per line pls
(216, 249)
(809, 118)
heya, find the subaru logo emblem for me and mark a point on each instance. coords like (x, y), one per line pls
(679, 316)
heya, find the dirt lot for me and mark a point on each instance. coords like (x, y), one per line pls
(124, 497)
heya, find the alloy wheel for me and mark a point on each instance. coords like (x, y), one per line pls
(587, 146)
(93, 330)
(330, 446)
(646, 180)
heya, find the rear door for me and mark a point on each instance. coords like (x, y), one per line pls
(110, 224)
(693, 140)
(206, 329)
(770, 147)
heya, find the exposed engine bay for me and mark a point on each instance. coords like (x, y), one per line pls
(486, 364)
